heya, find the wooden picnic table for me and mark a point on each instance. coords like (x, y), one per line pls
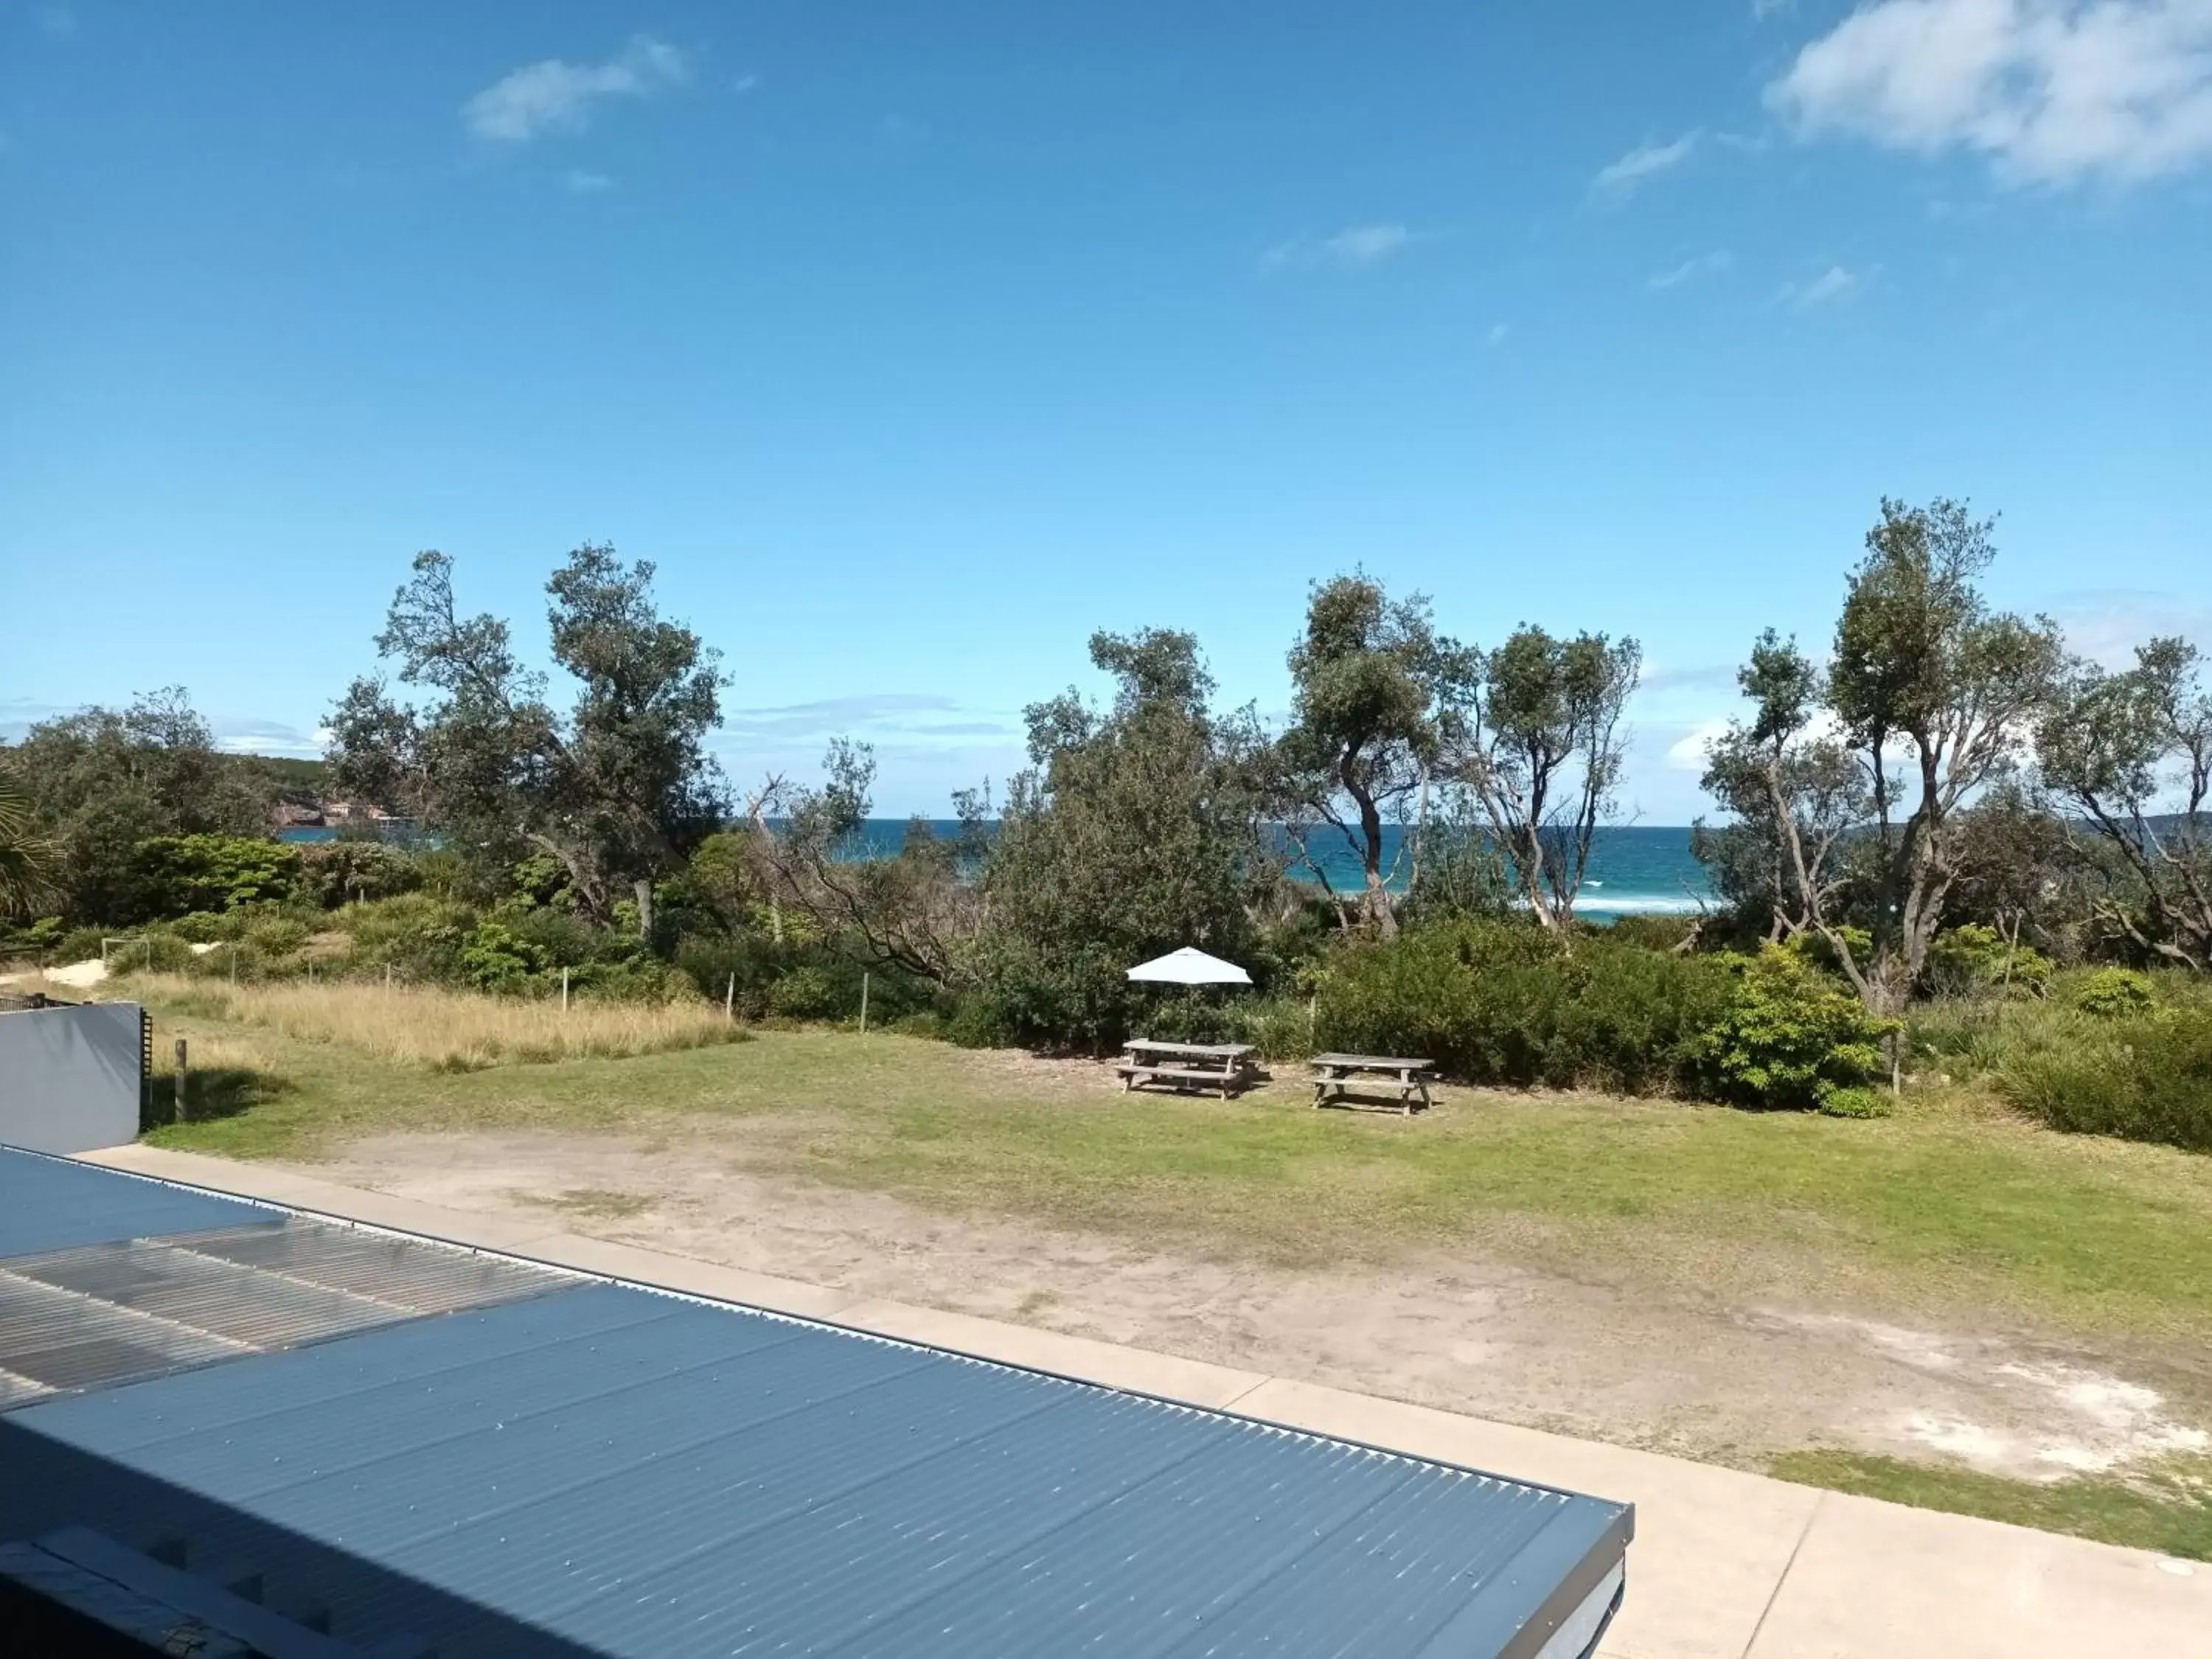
(1340, 1074)
(1183, 1066)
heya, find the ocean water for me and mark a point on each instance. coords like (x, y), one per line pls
(1638, 869)
(1635, 869)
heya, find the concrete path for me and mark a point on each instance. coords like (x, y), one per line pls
(1725, 1566)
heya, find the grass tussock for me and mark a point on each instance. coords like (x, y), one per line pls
(447, 1031)
(2141, 1075)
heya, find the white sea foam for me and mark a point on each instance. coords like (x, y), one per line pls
(1607, 904)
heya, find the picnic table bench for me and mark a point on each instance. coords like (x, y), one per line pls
(1183, 1066)
(1395, 1075)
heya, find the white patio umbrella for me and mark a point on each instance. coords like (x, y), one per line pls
(1189, 967)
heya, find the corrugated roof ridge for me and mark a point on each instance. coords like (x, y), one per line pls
(1222, 1432)
(680, 1450)
(518, 1417)
(1345, 1514)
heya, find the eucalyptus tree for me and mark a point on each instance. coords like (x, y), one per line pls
(1136, 827)
(1542, 753)
(1930, 698)
(1795, 793)
(618, 790)
(2132, 753)
(1928, 680)
(1381, 711)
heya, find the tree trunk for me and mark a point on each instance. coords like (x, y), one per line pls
(1376, 900)
(643, 888)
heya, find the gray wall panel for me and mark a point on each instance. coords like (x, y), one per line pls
(69, 1077)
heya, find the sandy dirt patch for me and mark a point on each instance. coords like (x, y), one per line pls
(1615, 1359)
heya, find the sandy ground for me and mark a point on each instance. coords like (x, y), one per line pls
(1618, 1361)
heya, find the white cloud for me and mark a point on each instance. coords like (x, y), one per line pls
(1497, 334)
(1646, 163)
(249, 736)
(1689, 752)
(2106, 624)
(579, 182)
(2052, 92)
(1833, 286)
(1362, 245)
(746, 82)
(554, 95)
(896, 716)
(925, 745)
(1351, 248)
(1719, 263)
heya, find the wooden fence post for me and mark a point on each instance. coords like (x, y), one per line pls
(864, 1002)
(180, 1113)
(729, 999)
(564, 990)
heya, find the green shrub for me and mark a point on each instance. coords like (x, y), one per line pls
(345, 871)
(1187, 1013)
(277, 936)
(738, 966)
(807, 992)
(1508, 1002)
(1815, 948)
(1790, 1037)
(1077, 999)
(1653, 930)
(418, 934)
(205, 928)
(561, 939)
(80, 944)
(1278, 1028)
(2148, 1078)
(1854, 1103)
(641, 978)
(174, 875)
(38, 939)
(152, 953)
(2116, 994)
(492, 958)
(1973, 957)
(979, 1020)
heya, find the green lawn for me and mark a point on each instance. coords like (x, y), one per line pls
(1939, 1205)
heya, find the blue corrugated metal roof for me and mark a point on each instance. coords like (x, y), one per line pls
(52, 1204)
(609, 1470)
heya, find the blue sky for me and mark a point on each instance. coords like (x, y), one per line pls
(913, 343)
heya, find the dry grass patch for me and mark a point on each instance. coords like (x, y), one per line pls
(450, 1030)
